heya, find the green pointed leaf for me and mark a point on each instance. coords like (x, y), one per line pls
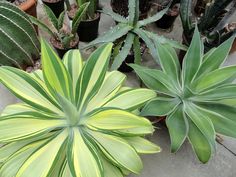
(112, 145)
(219, 93)
(74, 64)
(153, 18)
(215, 58)
(110, 36)
(23, 86)
(111, 85)
(192, 59)
(137, 97)
(200, 144)
(169, 63)
(115, 16)
(111, 170)
(81, 151)
(214, 78)
(222, 117)
(178, 128)
(118, 120)
(124, 52)
(160, 106)
(12, 129)
(154, 79)
(44, 158)
(92, 75)
(202, 122)
(51, 16)
(55, 74)
(142, 145)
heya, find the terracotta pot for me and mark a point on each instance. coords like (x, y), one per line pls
(29, 7)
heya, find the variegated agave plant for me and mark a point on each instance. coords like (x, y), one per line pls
(75, 121)
(196, 99)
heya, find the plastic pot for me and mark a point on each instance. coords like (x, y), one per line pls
(88, 30)
(124, 67)
(60, 50)
(57, 6)
(168, 19)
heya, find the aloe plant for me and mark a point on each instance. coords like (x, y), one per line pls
(76, 119)
(19, 43)
(128, 33)
(211, 24)
(195, 99)
(59, 33)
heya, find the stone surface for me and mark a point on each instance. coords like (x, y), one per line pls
(164, 164)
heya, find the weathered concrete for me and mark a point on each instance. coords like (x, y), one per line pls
(165, 164)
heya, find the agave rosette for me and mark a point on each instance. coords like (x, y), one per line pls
(75, 120)
(197, 98)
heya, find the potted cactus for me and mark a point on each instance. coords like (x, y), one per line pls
(130, 36)
(88, 28)
(63, 37)
(121, 7)
(16, 50)
(211, 24)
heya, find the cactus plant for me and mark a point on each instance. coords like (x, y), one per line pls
(211, 24)
(130, 31)
(17, 34)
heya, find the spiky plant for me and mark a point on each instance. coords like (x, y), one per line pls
(75, 120)
(128, 32)
(92, 9)
(194, 99)
(63, 35)
(19, 45)
(211, 24)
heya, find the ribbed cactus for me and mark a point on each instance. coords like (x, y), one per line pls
(19, 45)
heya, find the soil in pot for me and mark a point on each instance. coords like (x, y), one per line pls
(88, 29)
(121, 7)
(59, 47)
(168, 19)
(57, 6)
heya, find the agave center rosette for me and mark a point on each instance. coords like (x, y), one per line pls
(198, 100)
(75, 120)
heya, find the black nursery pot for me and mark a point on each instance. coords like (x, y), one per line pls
(168, 19)
(57, 6)
(88, 30)
(124, 67)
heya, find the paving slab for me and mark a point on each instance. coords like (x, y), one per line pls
(164, 164)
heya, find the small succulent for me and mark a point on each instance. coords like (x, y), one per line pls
(76, 119)
(129, 31)
(64, 35)
(196, 98)
(26, 46)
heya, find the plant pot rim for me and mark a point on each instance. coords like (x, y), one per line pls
(60, 48)
(98, 15)
(48, 1)
(27, 4)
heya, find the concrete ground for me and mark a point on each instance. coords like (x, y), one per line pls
(165, 164)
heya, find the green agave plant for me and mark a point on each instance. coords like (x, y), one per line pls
(193, 98)
(129, 32)
(75, 119)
